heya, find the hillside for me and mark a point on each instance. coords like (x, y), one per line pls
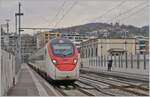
(113, 30)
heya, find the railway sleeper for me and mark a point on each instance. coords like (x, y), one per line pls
(128, 89)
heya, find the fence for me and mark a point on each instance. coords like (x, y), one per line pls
(138, 64)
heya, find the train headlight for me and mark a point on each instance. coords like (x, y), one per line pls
(54, 61)
(75, 61)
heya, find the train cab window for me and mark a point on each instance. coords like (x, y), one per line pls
(62, 49)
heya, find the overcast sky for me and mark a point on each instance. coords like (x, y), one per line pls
(42, 13)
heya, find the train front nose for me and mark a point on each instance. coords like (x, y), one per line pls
(66, 74)
(66, 70)
(66, 64)
(67, 67)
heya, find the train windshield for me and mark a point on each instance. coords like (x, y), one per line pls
(62, 49)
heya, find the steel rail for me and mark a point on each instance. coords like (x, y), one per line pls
(124, 88)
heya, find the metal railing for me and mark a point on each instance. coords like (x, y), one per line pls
(138, 63)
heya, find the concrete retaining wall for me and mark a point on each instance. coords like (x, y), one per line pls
(7, 71)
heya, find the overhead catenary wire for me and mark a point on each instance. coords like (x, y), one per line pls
(58, 12)
(108, 11)
(125, 12)
(73, 4)
(134, 12)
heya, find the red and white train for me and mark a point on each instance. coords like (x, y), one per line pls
(58, 60)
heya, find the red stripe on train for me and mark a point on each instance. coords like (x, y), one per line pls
(66, 67)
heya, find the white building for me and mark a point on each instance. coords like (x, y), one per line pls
(142, 44)
(75, 37)
(28, 46)
(102, 46)
(8, 42)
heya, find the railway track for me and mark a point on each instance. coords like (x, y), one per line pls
(72, 90)
(67, 89)
(138, 85)
(94, 85)
(107, 90)
(115, 76)
(98, 88)
(118, 84)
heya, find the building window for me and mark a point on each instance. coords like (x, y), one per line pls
(58, 35)
(96, 52)
(89, 53)
(70, 37)
(85, 53)
(142, 42)
(142, 47)
(141, 52)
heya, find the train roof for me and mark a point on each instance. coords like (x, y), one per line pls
(60, 40)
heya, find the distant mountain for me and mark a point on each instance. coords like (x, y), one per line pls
(145, 30)
(114, 30)
(85, 27)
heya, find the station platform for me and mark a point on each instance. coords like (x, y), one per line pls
(31, 84)
(138, 77)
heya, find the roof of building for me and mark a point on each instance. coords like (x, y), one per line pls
(94, 39)
(117, 50)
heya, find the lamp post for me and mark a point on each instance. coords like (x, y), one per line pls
(125, 41)
(125, 36)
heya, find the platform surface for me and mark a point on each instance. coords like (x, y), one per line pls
(31, 84)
